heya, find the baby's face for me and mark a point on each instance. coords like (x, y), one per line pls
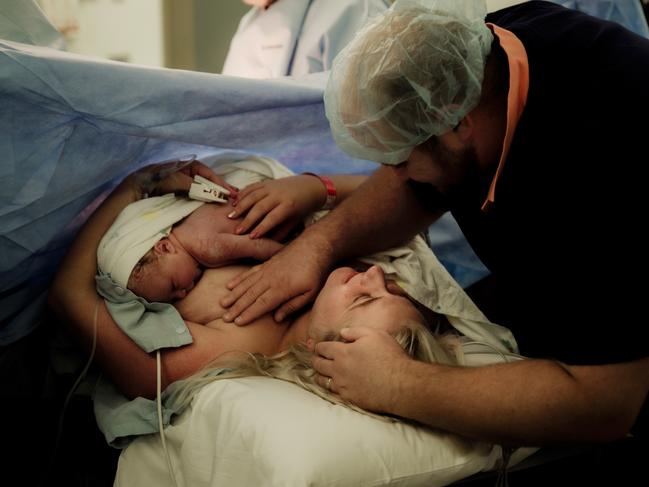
(169, 278)
(351, 298)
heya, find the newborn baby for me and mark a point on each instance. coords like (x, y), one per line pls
(158, 246)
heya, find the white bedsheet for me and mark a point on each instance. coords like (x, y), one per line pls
(266, 432)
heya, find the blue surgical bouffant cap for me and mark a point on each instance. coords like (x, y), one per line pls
(410, 73)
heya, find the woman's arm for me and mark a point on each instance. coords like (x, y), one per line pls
(74, 298)
(279, 205)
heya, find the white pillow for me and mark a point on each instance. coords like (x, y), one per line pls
(260, 431)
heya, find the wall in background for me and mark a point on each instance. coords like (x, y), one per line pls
(185, 34)
(123, 30)
(198, 32)
(216, 23)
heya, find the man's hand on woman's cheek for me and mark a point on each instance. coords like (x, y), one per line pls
(363, 370)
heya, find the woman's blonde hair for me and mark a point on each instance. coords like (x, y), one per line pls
(294, 365)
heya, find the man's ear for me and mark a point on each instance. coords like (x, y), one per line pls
(164, 246)
(464, 129)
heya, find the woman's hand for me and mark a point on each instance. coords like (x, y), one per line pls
(279, 205)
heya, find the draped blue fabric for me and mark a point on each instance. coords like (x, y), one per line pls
(71, 127)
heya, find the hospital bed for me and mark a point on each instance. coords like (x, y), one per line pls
(71, 128)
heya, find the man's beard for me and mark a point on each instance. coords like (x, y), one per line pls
(463, 185)
(430, 198)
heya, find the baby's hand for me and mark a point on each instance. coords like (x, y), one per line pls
(278, 204)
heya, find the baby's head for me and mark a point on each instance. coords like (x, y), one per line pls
(165, 273)
(140, 253)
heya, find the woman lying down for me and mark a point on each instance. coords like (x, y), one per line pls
(123, 329)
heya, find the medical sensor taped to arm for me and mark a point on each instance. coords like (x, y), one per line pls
(148, 180)
(205, 190)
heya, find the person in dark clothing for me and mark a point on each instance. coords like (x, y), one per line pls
(527, 126)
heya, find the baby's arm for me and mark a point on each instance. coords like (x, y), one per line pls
(281, 204)
(226, 248)
(208, 235)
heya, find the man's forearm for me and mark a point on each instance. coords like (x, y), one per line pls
(531, 402)
(381, 213)
(346, 185)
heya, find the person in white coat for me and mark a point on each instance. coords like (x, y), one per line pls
(295, 37)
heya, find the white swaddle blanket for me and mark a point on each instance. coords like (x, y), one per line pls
(136, 230)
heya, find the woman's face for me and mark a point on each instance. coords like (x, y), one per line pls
(350, 298)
